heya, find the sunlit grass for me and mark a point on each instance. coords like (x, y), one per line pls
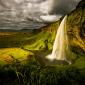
(80, 62)
(10, 54)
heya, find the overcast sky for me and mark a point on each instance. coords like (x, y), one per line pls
(13, 11)
(38, 9)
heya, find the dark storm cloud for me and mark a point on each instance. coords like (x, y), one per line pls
(64, 6)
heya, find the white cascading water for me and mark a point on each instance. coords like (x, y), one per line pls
(60, 46)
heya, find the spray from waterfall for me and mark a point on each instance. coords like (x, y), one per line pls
(60, 47)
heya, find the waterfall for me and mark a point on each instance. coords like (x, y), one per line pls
(60, 47)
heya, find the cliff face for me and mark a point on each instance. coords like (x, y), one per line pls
(76, 27)
(75, 30)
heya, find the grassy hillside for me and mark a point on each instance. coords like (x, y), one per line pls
(34, 40)
(22, 54)
(76, 33)
(40, 41)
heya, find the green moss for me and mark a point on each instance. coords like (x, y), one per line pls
(80, 62)
(2, 63)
